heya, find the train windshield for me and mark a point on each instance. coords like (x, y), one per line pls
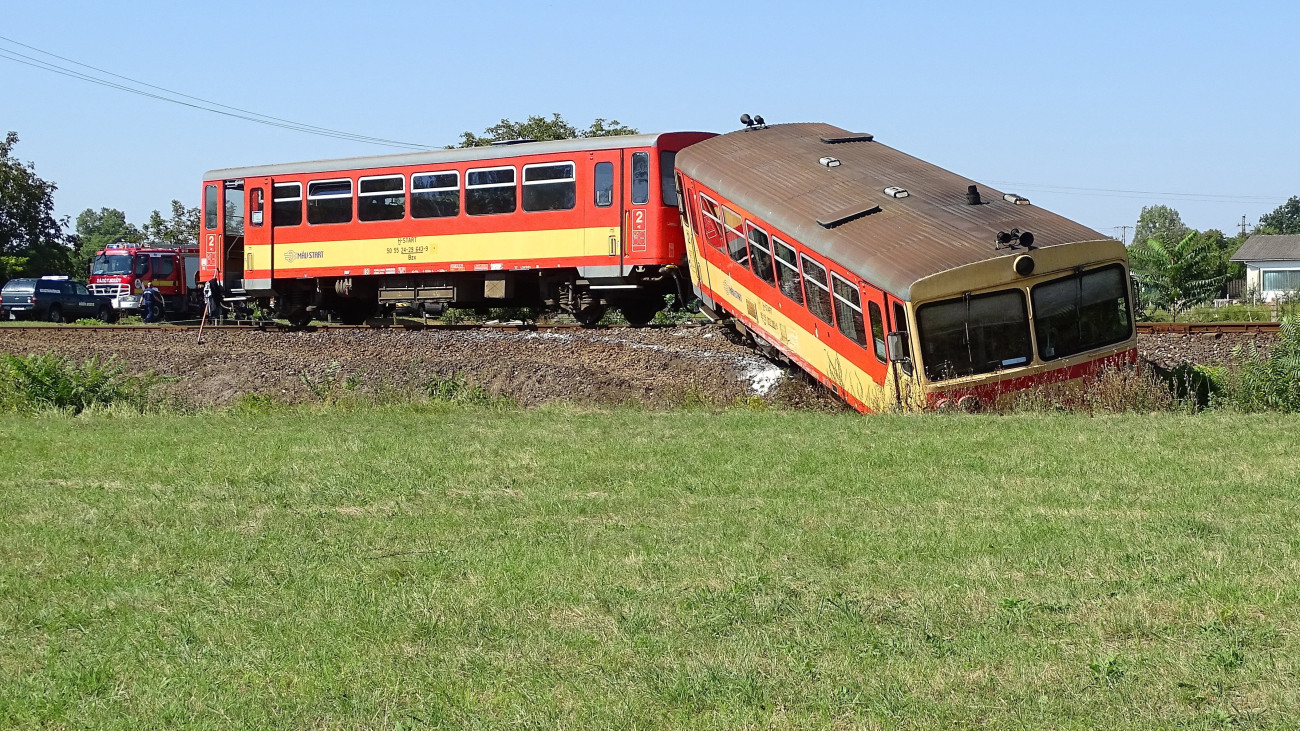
(974, 334)
(111, 264)
(1082, 312)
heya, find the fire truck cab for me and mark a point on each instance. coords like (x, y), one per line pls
(122, 272)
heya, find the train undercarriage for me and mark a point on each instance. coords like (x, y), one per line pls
(354, 299)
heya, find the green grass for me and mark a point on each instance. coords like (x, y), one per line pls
(490, 567)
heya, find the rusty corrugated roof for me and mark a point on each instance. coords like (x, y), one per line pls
(1262, 247)
(776, 174)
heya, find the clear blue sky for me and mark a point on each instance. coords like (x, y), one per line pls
(1070, 104)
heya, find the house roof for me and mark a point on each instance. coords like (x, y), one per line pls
(1261, 247)
(780, 174)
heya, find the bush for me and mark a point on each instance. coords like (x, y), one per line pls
(455, 390)
(1259, 382)
(52, 382)
(1113, 390)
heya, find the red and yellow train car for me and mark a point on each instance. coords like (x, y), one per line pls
(895, 282)
(571, 224)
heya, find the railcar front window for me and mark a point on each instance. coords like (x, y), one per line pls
(1082, 312)
(974, 334)
(111, 264)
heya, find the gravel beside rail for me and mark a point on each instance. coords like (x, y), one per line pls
(652, 366)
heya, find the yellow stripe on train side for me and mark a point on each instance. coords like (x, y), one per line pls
(773, 324)
(417, 250)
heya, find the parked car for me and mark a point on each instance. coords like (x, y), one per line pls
(56, 299)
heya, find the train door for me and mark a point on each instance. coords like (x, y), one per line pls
(258, 259)
(212, 264)
(232, 230)
(686, 203)
(636, 219)
(604, 217)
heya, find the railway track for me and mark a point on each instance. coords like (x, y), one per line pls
(1143, 328)
(282, 327)
(1196, 328)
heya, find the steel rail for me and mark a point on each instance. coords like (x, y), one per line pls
(281, 327)
(1196, 328)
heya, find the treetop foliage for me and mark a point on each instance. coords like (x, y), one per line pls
(1160, 222)
(541, 128)
(1180, 276)
(31, 239)
(1285, 219)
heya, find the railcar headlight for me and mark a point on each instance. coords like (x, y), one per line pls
(1024, 265)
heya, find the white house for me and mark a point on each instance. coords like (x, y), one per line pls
(1272, 265)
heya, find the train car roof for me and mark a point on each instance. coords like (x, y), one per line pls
(441, 157)
(777, 174)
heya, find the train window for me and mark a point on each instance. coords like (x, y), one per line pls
(760, 250)
(900, 317)
(731, 224)
(490, 191)
(1081, 312)
(877, 330)
(234, 208)
(435, 195)
(381, 198)
(550, 187)
(667, 161)
(817, 289)
(286, 204)
(640, 177)
(329, 201)
(604, 184)
(210, 207)
(712, 221)
(787, 271)
(257, 211)
(974, 334)
(848, 310)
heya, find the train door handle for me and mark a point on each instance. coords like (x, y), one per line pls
(613, 246)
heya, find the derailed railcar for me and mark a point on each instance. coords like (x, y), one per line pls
(574, 225)
(893, 281)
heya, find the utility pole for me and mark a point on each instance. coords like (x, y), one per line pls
(1123, 233)
(1243, 226)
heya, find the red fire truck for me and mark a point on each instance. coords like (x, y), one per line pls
(123, 271)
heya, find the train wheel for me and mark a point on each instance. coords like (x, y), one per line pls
(590, 316)
(300, 318)
(354, 312)
(640, 312)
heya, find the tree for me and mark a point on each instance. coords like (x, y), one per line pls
(541, 128)
(182, 229)
(1177, 277)
(97, 229)
(1285, 219)
(31, 239)
(1161, 223)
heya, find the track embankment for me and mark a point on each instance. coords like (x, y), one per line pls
(650, 366)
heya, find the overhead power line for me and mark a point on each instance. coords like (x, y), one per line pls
(1119, 193)
(176, 97)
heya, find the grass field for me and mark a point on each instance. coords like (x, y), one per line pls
(442, 567)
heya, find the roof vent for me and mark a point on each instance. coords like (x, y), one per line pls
(894, 191)
(973, 196)
(522, 140)
(1019, 200)
(848, 138)
(830, 162)
(844, 215)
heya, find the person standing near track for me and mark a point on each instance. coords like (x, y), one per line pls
(212, 295)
